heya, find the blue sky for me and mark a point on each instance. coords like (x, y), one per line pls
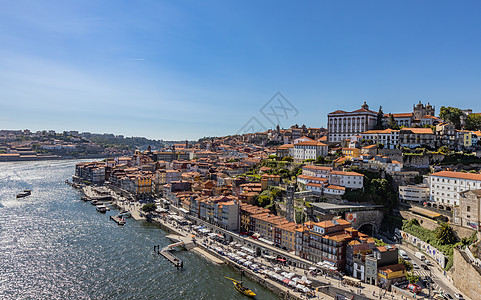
(188, 69)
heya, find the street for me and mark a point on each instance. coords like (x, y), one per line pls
(441, 284)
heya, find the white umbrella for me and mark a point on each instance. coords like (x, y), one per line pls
(312, 268)
(292, 283)
(290, 275)
(295, 279)
(299, 286)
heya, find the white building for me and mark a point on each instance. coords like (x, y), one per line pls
(342, 124)
(414, 193)
(402, 119)
(316, 171)
(230, 215)
(388, 137)
(309, 150)
(305, 179)
(445, 187)
(351, 180)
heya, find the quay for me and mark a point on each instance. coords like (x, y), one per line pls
(187, 240)
(178, 263)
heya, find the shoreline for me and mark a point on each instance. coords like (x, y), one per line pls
(52, 158)
(206, 253)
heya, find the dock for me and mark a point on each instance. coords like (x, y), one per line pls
(117, 219)
(178, 263)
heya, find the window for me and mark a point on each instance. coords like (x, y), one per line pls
(468, 208)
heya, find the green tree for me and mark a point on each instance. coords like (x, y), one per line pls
(408, 265)
(411, 277)
(263, 200)
(443, 150)
(473, 122)
(288, 158)
(320, 160)
(379, 118)
(276, 194)
(149, 207)
(445, 234)
(451, 115)
(392, 123)
(273, 157)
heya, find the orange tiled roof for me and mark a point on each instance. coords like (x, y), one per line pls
(459, 175)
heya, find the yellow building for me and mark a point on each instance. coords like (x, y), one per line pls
(391, 274)
(142, 186)
(288, 236)
(351, 152)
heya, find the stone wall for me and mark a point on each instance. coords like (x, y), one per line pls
(373, 217)
(421, 161)
(466, 277)
(461, 232)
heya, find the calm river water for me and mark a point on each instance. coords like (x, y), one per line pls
(55, 246)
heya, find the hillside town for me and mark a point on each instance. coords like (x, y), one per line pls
(25, 145)
(358, 198)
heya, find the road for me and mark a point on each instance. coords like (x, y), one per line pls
(440, 282)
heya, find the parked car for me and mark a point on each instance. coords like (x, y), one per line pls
(447, 296)
(425, 267)
(459, 296)
(415, 266)
(403, 254)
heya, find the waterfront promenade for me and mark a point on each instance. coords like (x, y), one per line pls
(205, 246)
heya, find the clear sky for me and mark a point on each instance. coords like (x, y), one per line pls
(188, 69)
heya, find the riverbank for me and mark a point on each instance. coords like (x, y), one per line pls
(324, 287)
(204, 251)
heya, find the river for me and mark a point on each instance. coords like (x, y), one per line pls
(55, 246)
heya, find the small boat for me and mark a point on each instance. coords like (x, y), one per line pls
(101, 208)
(85, 198)
(125, 214)
(95, 202)
(239, 286)
(25, 193)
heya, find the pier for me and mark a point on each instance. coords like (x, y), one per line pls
(178, 263)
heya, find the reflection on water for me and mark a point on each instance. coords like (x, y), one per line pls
(54, 246)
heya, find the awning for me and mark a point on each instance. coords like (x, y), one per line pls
(286, 281)
(269, 257)
(312, 268)
(281, 259)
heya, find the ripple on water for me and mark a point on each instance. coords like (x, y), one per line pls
(54, 246)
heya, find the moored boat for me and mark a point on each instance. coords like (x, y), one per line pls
(101, 208)
(25, 193)
(239, 286)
